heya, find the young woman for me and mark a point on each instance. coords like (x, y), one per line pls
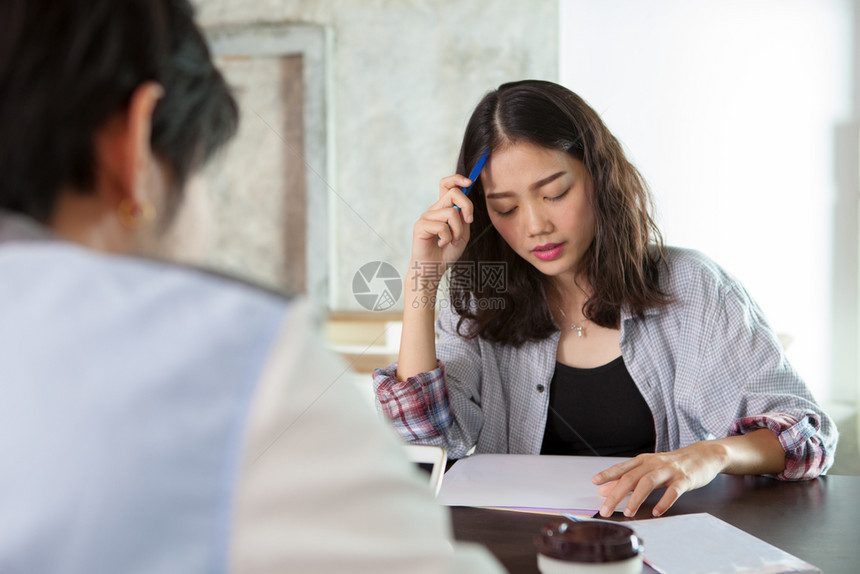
(598, 340)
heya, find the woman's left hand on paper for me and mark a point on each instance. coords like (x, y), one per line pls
(678, 471)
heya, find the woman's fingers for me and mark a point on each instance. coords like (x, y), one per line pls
(446, 184)
(441, 233)
(624, 485)
(451, 194)
(615, 471)
(451, 218)
(606, 488)
(646, 484)
(678, 471)
(672, 494)
(429, 229)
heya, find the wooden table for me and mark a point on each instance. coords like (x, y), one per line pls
(818, 520)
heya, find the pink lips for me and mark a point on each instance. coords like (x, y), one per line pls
(548, 252)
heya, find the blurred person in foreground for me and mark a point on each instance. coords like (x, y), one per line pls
(156, 418)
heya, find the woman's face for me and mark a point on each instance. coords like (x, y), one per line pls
(538, 201)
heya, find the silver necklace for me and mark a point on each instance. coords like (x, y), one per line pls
(580, 330)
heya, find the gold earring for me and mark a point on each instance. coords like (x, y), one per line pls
(133, 215)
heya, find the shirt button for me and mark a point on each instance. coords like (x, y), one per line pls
(540, 388)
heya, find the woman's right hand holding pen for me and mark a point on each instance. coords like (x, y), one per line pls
(441, 233)
(438, 240)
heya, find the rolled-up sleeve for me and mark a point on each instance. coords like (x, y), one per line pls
(417, 407)
(805, 457)
(442, 407)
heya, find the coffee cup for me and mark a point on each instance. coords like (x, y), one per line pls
(588, 547)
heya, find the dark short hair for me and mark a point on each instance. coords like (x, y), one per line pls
(67, 67)
(621, 264)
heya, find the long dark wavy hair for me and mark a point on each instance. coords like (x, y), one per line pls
(622, 263)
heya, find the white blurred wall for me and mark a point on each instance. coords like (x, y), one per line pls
(742, 115)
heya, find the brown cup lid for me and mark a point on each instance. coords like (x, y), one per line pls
(589, 541)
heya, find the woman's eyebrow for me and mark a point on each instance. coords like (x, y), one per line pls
(536, 185)
(500, 194)
(540, 183)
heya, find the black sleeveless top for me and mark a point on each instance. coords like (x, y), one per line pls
(597, 412)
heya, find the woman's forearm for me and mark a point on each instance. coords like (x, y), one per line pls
(757, 452)
(690, 467)
(418, 339)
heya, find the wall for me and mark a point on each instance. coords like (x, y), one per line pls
(742, 115)
(405, 75)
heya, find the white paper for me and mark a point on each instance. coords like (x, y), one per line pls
(701, 543)
(525, 481)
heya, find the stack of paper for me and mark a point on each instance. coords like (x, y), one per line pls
(526, 482)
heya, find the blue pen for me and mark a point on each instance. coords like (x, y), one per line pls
(476, 171)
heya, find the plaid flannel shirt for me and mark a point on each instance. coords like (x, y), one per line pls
(708, 365)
